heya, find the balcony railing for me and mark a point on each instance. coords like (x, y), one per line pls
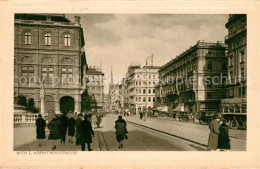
(28, 118)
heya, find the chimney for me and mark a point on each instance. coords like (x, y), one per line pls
(77, 20)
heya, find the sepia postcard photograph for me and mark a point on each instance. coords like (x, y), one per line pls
(130, 84)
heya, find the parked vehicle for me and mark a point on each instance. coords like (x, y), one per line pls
(205, 117)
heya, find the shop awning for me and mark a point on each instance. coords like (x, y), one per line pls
(163, 109)
(179, 108)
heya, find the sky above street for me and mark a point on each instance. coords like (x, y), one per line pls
(118, 40)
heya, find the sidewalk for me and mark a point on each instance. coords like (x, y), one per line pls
(190, 131)
(25, 140)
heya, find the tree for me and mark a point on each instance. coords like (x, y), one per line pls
(85, 101)
(21, 100)
(31, 106)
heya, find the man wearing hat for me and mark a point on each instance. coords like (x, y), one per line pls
(214, 131)
(78, 121)
(85, 131)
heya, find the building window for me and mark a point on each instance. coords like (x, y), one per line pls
(149, 99)
(139, 99)
(139, 90)
(153, 99)
(27, 71)
(153, 76)
(47, 73)
(47, 39)
(27, 38)
(209, 82)
(242, 72)
(209, 65)
(139, 82)
(224, 66)
(149, 76)
(67, 39)
(66, 74)
(143, 99)
(136, 83)
(149, 91)
(242, 55)
(153, 90)
(143, 91)
(209, 96)
(231, 93)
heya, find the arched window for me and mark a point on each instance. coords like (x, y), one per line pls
(67, 39)
(143, 91)
(149, 99)
(149, 91)
(209, 65)
(224, 66)
(27, 38)
(47, 39)
(143, 99)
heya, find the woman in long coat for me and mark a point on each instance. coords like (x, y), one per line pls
(55, 135)
(40, 128)
(223, 137)
(77, 123)
(213, 134)
(71, 128)
(85, 130)
(121, 131)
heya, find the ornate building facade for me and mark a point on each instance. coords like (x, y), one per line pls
(193, 81)
(95, 85)
(140, 88)
(49, 54)
(234, 105)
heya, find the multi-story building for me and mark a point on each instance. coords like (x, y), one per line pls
(234, 106)
(193, 81)
(95, 85)
(140, 88)
(49, 49)
(106, 103)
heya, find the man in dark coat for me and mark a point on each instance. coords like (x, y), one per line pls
(63, 127)
(54, 127)
(121, 131)
(40, 128)
(223, 137)
(85, 131)
(214, 131)
(77, 123)
(71, 127)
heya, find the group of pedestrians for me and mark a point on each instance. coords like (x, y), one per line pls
(219, 134)
(82, 128)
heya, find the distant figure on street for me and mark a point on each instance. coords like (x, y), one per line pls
(71, 127)
(40, 129)
(63, 127)
(54, 127)
(223, 137)
(77, 123)
(141, 115)
(94, 121)
(85, 130)
(214, 131)
(99, 120)
(121, 131)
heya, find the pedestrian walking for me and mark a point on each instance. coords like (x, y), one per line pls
(86, 133)
(99, 120)
(54, 135)
(93, 121)
(40, 129)
(223, 137)
(121, 131)
(141, 115)
(71, 128)
(214, 131)
(63, 127)
(77, 123)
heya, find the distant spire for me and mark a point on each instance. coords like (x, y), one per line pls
(111, 76)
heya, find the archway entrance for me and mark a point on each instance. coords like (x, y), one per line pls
(67, 104)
